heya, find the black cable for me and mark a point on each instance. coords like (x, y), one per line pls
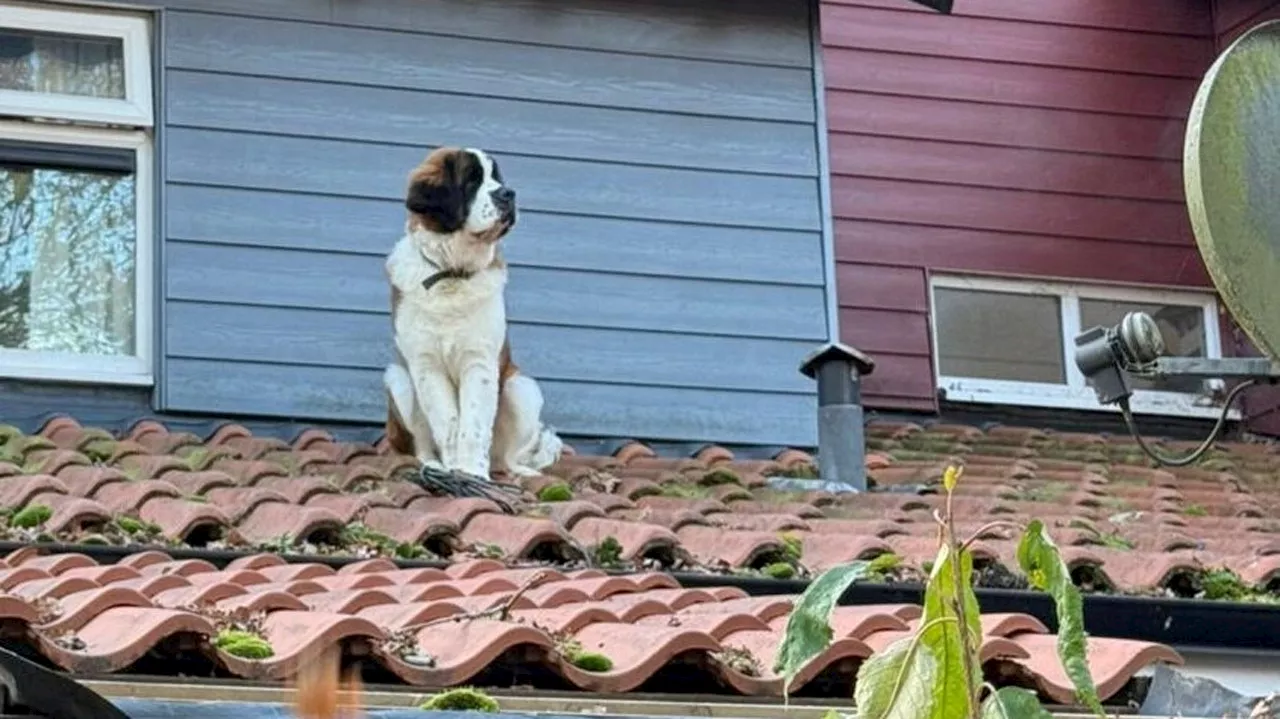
(1199, 451)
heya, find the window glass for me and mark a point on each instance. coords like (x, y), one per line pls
(67, 279)
(59, 64)
(999, 335)
(1181, 326)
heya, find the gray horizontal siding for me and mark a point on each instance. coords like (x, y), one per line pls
(667, 269)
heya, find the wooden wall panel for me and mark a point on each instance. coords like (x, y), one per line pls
(666, 156)
(1019, 138)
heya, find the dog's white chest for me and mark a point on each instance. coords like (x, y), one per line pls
(450, 317)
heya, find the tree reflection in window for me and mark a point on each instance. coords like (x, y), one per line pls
(67, 279)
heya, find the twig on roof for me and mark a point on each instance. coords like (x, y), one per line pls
(500, 611)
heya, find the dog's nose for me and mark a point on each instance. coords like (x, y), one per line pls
(504, 196)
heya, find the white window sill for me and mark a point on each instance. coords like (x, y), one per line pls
(75, 369)
(1051, 396)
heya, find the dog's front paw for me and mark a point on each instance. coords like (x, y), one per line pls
(432, 463)
(478, 470)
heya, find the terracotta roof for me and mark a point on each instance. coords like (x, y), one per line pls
(428, 627)
(1123, 525)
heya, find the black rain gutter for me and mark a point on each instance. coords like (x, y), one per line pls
(1176, 622)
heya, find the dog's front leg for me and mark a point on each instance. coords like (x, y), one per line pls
(477, 408)
(439, 403)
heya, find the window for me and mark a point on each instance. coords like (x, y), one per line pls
(76, 236)
(1013, 341)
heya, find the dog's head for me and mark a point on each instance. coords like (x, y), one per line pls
(461, 190)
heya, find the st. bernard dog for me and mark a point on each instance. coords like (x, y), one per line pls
(456, 401)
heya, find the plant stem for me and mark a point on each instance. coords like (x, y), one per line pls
(957, 580)
(998, 524)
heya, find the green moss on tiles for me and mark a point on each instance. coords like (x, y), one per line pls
(718, 476)
(1002, 450)
(592, 662)
(243, 644)
(1112, 540)
(357, 538)
(792, 547)
(489, 551)
(572, 651)
(99, 451)
(607, 554)
(882, 567)
(557, 492)
(1225, 585)
(1195, 510)
(883, 444)
(682, 490)
(136, 530)
(779, 570)
(198, 459)
(31, 516)
(462, 699)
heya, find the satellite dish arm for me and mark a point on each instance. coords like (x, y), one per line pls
(1107, 356)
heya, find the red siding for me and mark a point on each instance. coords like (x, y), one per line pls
(1013, 137)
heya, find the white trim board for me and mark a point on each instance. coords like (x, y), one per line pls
(1075, 394)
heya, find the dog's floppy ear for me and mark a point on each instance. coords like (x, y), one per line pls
(436, 193)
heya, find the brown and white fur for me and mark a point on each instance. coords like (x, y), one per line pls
(456, 401)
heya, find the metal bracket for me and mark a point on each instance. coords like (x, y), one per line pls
(31, 690)
(1255, 368)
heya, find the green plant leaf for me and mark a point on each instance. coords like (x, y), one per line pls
(908, 679)
(808, 632)
(900, 682)
(1013, 703)
(958, 682)
(1043, 565)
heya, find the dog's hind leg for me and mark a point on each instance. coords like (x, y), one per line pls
(522, 446)
(404, 414)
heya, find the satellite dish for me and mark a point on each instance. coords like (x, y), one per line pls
(1231, 169)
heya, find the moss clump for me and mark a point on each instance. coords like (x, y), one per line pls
(592, 662)
(558, 492)
(779, 570)
(464, 699)
(679, 490)
(571, 649)
(130, 525)
(99, 451)
(246, 645)
(608, 553)
(883, 566)
(720, 475)
(792, 547)
(31, 516)
(1195, 510)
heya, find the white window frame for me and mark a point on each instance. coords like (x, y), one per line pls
(62, 120)
(1076, 394)
(134, 110)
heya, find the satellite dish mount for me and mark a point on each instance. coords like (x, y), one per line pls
(1231, 171)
